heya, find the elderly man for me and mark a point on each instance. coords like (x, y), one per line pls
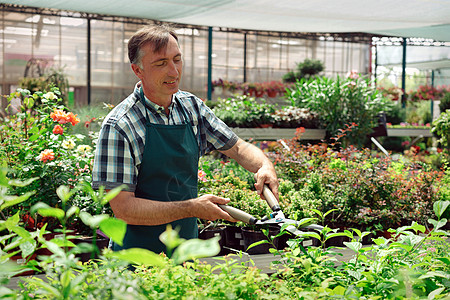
(151, 142)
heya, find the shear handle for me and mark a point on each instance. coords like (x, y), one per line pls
(270, 197)
(239, 214)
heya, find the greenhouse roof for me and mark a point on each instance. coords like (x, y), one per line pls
(402, 18)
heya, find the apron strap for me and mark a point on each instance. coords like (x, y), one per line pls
(183, 111)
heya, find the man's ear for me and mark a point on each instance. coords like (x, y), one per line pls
(137, 70)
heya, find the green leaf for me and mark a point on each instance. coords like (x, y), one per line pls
(329, 212)
(436, 292)
(112, 194)
(34, 137)
(13, 200)
(22, 183)
(354, 246)
(138, 256)
(64, 193)
(311, 234)
(437, 224)
(445, 260)
(318, 212)
(196, 248)
(27, 248)
(66, 278)
(72, 210)
(92, 221)
(115, 229)
(439, 207)
(53, 247)
(170, 238)
(46, 211)
(258, 243)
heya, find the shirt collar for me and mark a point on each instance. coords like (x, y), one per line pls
(153, 105)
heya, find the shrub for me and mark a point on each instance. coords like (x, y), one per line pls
(445, 102)
(339, 102)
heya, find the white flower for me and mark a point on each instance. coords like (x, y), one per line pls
(68, 144)
(84, 148)
(49, 96)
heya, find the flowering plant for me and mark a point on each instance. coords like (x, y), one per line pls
(37, 142)
(427, 92)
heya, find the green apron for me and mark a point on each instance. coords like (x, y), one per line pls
(168, 172)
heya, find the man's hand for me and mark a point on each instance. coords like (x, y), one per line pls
(266, 176)
(254, 160)
(206, 207)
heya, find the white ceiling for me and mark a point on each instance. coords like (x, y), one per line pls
(404, 18)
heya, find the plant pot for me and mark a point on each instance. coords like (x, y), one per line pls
(337, 241)
(272, 94)
(259, 94)
(48, 237)
(19, 260)
(213, 232)
(265, 125)
(101, 243)
(218, 90)
(233, 238)
(251, 236)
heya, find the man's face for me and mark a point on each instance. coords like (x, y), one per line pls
(161, 73)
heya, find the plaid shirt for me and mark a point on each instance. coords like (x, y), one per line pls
(120, 146)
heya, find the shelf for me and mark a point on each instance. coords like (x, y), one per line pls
(273, 134)
(409, 132)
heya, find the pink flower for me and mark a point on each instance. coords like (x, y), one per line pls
(202, 175)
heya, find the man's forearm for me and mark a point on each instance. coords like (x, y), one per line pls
(138, 211)
(248, 156)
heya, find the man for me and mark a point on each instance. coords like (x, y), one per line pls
(152, 141)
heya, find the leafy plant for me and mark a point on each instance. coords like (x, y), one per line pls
(441, 127)
(244, 111)
(445, 102)
(339, 102)
(306, 69)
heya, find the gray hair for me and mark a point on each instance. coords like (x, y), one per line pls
(156, 35)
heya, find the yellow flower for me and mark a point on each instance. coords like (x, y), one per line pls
(68, 144)
(84, 148)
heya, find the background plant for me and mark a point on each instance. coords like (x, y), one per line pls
(341, 101)
(441, 127)
(306, 69)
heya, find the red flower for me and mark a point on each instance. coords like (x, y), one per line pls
(73, 118)
(58, 129)
(62, 117)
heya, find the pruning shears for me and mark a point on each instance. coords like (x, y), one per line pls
(276, 218)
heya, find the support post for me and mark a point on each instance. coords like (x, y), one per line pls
(88, 83)
(404, 73)
(245, 57)
(209, 93)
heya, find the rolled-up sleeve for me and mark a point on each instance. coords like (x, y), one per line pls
(113, 163)
(217, 134)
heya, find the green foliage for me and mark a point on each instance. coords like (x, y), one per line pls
(341, 102)
(441, 127)
(306, 69)
(445, 102)
(244, 111)
(409, 265)
(53, 78)
(37, 142)
(366, 190)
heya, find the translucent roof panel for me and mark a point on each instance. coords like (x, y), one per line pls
(404, 18)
